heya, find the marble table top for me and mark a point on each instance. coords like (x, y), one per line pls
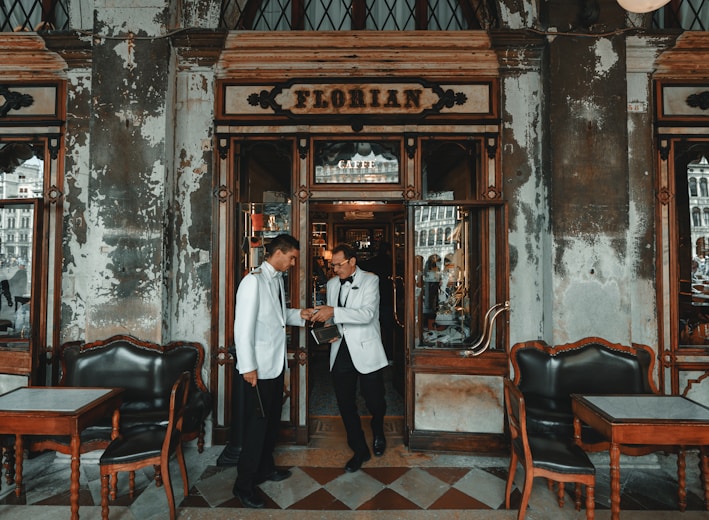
(59, 399)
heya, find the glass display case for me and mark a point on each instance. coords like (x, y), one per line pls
(262, 221)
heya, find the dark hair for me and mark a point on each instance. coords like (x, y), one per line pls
(284, 243)
(346, 250)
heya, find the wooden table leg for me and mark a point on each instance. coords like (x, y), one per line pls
(74, 488)
(615, 480)
(19, 449)
(682, 479)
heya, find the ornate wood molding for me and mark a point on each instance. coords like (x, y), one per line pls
(14, 100)
(700, 100)
(223, 193)
(279, 57)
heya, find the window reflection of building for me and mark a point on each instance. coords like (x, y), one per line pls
(698, 176)
(21, 178)
(24, 182)
(445, 318)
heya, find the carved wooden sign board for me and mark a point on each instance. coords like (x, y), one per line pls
(415, 99)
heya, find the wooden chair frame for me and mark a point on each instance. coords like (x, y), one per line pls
(172, 443)
(522, 452)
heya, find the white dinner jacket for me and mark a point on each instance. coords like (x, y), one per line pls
(358, 321)
(260, 324)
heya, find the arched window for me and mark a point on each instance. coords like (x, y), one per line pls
(439, 236)
(696, 218)
(448, 236)
(693, 186)
(432, 237)
(422, 242)
(703, 191)
(705, 214)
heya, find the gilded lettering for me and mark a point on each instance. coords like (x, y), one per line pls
(392, 99)
(349, 164)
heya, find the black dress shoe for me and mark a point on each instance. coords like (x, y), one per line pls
(249, 499)
(379, 445)
(356, 461)
(276, 476)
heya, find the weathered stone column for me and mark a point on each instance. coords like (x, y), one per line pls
(525, 184)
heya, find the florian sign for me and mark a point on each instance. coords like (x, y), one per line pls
(298, 99)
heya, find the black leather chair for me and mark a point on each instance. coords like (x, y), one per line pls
(548, 375)
(541, 455)
(146, 372)
(147, 445)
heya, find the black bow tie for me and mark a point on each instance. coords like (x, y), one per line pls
(344, 280)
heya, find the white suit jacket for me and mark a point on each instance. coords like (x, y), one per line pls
(358, 321)
(260, 323)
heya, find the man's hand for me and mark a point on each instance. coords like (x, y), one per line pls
(251, 377)
(307, 314)
(323, 313)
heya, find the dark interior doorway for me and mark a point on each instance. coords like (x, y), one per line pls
(372, 229)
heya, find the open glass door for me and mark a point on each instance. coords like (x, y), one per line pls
(22, 261)
(458, 260)
(398, 289)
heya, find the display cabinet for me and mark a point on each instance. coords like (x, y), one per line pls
(318, 240)
(262, 221)
(364, 238)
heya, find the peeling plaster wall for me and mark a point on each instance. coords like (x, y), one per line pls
(126, 197)
(191, 269)
(518, 14)
(590, 195)
(581, 220)
(526, 187)
(76, 265)
(137, 239)
(640, 58)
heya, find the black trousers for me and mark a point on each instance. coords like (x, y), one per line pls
(260, 433)
(344, 379)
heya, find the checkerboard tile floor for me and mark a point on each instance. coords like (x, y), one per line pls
(401, 484)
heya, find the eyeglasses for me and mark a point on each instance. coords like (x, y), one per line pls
(340, 264)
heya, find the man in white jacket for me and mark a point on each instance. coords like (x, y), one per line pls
(260, 322)
(353, 305)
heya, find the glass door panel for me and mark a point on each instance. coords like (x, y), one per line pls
(450, 169)
(22, 174)
(456, 259)
(692, 180)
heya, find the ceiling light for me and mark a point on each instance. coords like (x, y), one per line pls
(642, 6)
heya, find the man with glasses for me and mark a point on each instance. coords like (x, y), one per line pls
(358, 355)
